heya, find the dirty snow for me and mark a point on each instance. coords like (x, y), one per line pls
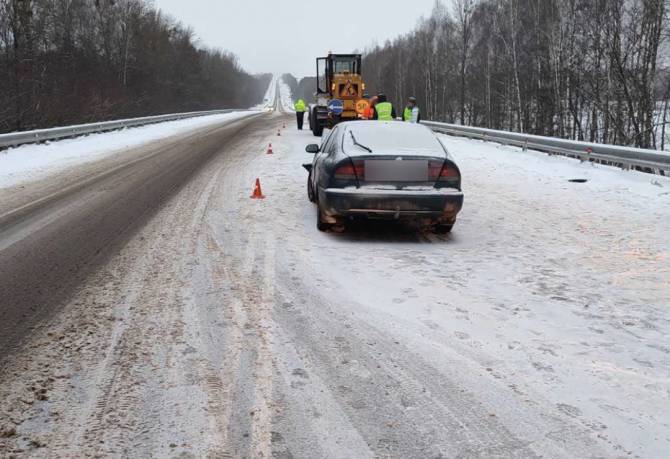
(34, 161)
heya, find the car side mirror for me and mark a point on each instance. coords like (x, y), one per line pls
(312, 148)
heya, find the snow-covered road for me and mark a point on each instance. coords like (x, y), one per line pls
(228, 327)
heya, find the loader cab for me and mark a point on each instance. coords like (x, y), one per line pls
(336, 67)
(346, 65)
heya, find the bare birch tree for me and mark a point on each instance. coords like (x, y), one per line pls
(579, 69)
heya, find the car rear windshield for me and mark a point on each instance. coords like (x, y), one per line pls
(385, 138)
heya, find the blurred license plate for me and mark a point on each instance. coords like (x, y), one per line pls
(390, 170)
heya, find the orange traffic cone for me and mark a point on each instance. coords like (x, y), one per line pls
(258, 193)
(270, 150)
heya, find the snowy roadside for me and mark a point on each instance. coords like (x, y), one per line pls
(32, 162)
(29, 163)
(544, 168)
(548, 294)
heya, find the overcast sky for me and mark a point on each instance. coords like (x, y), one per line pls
(287, 35)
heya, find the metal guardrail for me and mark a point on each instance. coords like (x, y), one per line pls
(626, 157)
(15, 139)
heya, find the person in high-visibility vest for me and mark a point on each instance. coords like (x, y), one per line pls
(300, 109)
(412, 113)
(384, 110)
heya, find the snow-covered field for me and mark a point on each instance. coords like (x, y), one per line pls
(35, 161)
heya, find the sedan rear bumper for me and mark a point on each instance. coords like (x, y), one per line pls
(433, 203)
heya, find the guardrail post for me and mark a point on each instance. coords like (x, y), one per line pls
(588, 150)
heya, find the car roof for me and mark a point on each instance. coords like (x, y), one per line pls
(392, 137)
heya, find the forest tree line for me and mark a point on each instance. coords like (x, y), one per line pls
(579, 69)
(74, 61)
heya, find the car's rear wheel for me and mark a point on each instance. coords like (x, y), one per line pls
(321, 225)
(443, 229)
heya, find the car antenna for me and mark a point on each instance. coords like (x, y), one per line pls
(358, 144)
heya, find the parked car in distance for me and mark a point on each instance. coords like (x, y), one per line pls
(383, 170)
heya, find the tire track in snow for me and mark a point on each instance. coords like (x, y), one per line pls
(142, 393)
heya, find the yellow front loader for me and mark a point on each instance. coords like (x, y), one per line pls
(339, 91)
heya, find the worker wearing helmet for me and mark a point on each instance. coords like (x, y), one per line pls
(370, 111)
(300, 109)
(412, 113)
(384, 110)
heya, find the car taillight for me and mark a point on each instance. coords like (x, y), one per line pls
(351, 171)
(434, 169)
(445, 174)
(449, 173)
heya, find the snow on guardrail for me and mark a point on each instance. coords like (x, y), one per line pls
(626, 157)
(14, 139)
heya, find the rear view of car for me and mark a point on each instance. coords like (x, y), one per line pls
(384, 170)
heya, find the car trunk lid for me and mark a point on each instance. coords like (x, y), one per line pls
(395, 172)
